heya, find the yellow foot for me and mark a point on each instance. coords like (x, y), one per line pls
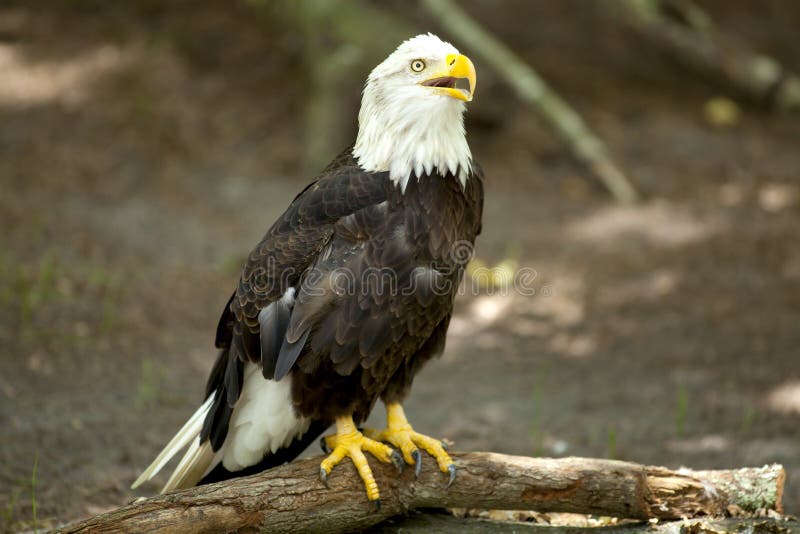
(348, 441)
(400, 434)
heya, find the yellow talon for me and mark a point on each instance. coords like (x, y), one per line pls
(400, 434)
(349, 442)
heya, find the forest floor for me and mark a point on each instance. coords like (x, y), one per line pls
(144, 150)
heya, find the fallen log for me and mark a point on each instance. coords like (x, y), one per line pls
(290, 498)
(433, 523)
(696, 45)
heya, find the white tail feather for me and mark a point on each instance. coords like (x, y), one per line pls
(185, 435)
(262, 422)
(191, 467)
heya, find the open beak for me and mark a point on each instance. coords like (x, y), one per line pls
(459, 72)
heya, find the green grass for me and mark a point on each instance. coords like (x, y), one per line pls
(147, 389)
(34, 287)
(33, 493)
(110, 288)
(9, 522)
(6, 278)
(10, 508)
(748, 416)
(43, 289)
(681, 410)
(611, 443)
(231, 265)
(537, 423)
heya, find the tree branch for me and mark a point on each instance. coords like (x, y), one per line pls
(291, 498)
(698, 46)
(342, 38)
(534, 91)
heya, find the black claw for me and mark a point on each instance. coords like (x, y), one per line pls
(324, 445)
(376, 505)
(397, 460)
(452, 469)
(323, 476)
(444, 446)
(417, 462)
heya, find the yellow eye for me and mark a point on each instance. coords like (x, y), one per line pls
(417, 65)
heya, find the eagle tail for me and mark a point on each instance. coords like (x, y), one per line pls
(188, 434)
(194, 464)
(273, 459)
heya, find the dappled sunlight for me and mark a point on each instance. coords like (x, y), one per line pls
(651, 286)
(494, 321)
(29, 83)
(785, 398)
(472, 324)
(526, 326)
(573, 346)
(659, 222)
(791, 268)
(564, 305)
(700, 444)
(731, 194)
(481, 312)
(775, 197)
(489, 340)
(487, 309)
(559, 302)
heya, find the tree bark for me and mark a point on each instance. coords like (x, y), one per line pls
(290, 498)
(433, 523)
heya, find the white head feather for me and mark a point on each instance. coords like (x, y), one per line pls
(405, 127)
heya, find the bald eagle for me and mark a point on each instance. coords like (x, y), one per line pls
(350, 292)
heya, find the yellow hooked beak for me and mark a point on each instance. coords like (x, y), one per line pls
(458, 67)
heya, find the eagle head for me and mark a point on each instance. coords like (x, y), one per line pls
(411, 118)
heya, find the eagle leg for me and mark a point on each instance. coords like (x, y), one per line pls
(399, 433)
(349, 442)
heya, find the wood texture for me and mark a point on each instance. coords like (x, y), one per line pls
(291, 498)
(433, 523)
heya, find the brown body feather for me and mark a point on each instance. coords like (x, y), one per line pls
(375, 273)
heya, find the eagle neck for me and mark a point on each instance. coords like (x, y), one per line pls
(428, 138)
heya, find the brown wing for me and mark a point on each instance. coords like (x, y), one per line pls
(290, 247)
(294, 242)
(383, 294)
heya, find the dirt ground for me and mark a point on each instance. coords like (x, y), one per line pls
(145, 149)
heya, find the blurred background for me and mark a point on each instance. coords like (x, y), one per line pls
(146, 146)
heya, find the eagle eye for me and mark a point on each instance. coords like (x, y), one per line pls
(417, 65)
